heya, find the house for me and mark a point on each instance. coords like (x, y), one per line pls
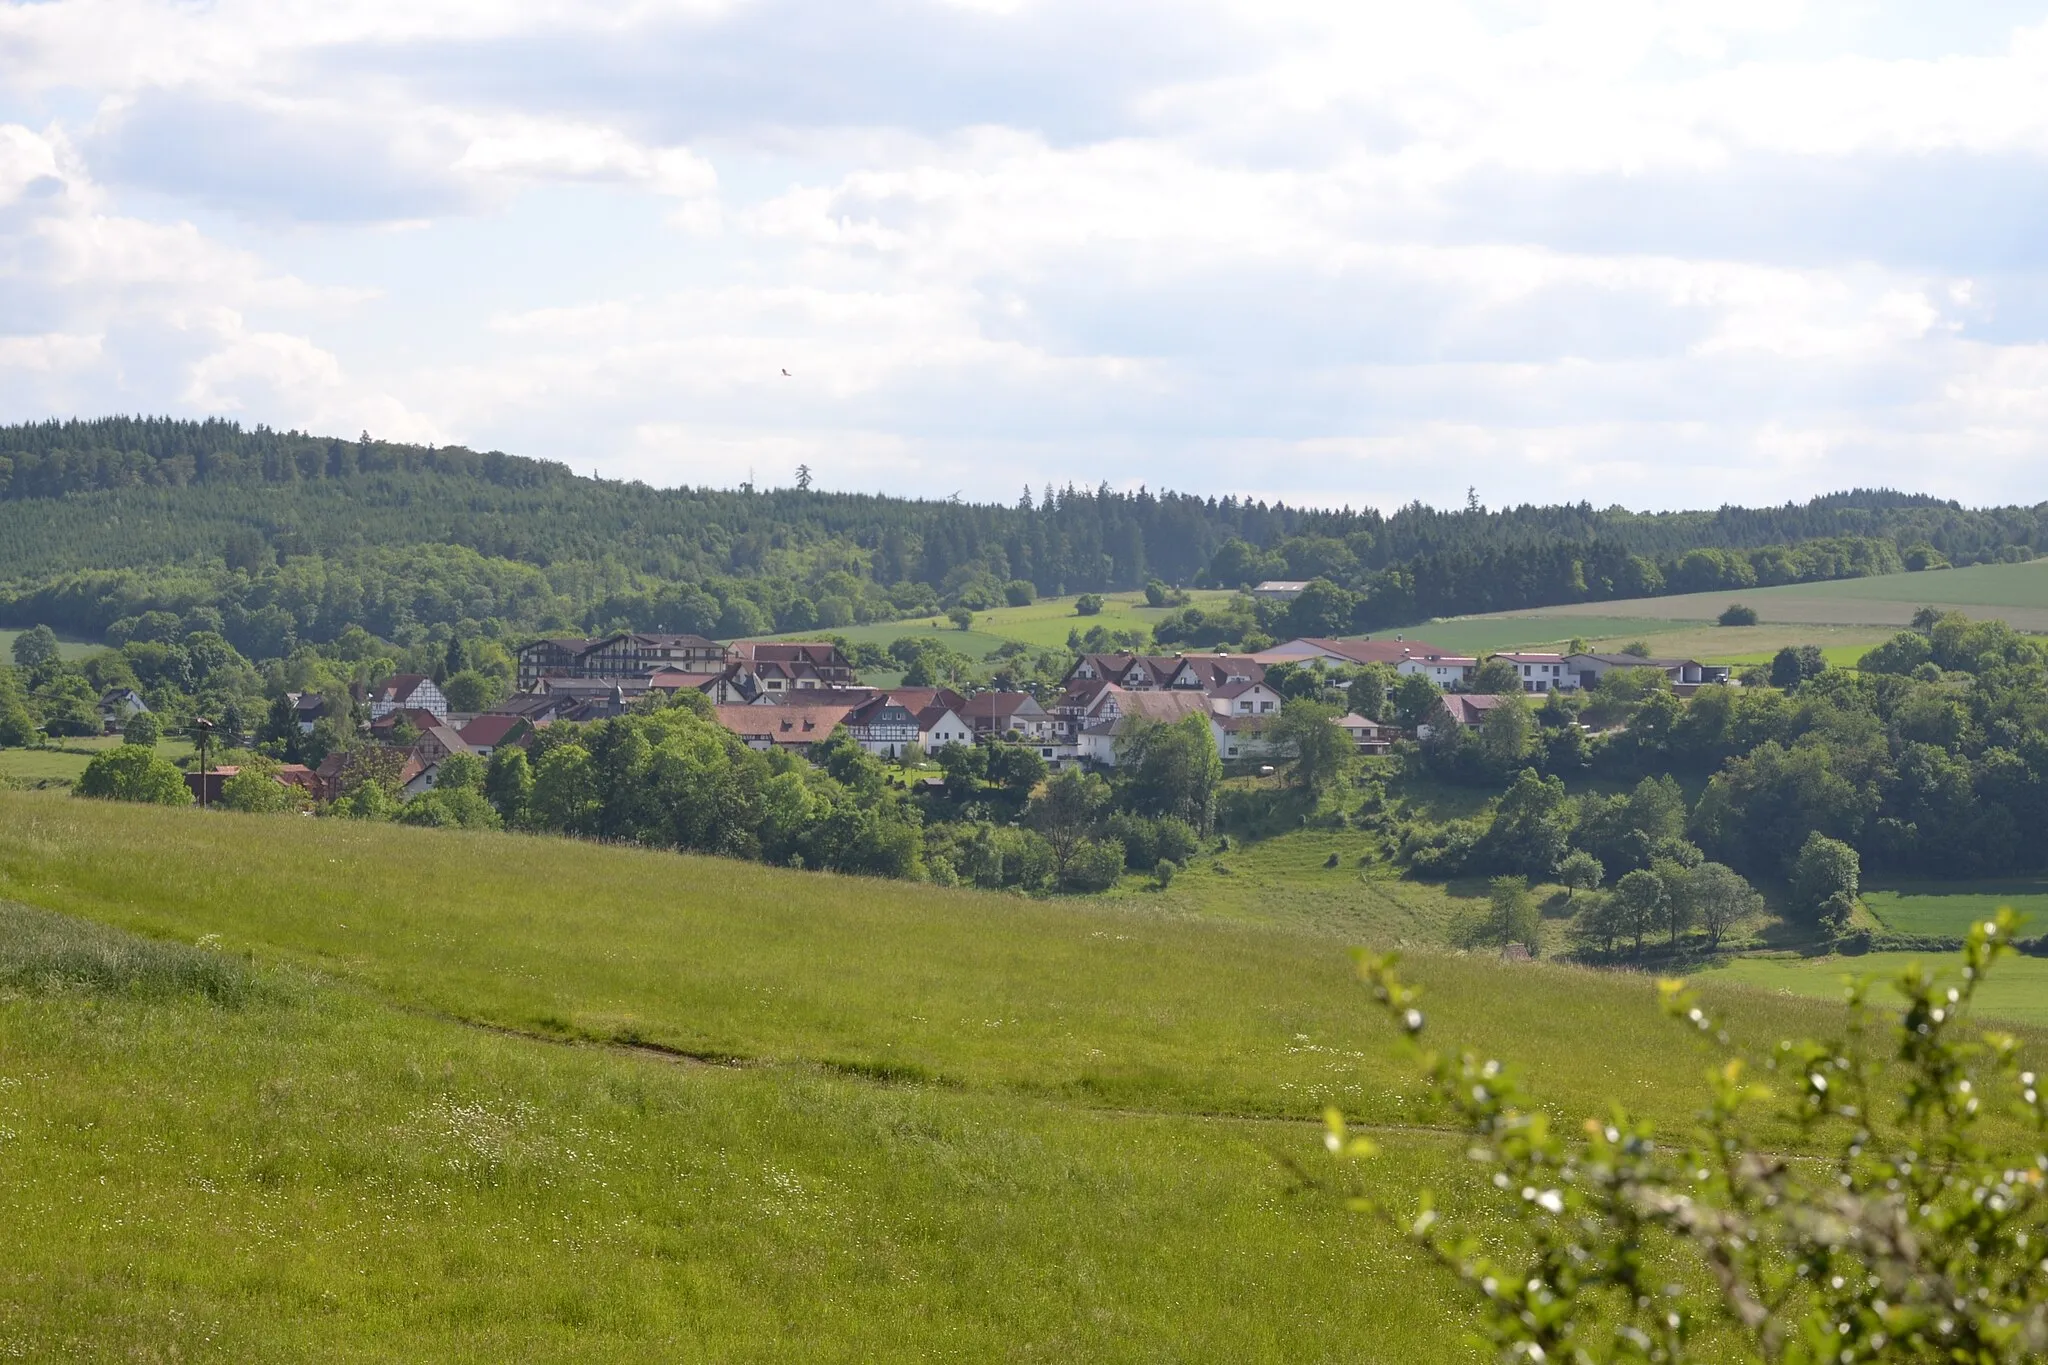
(407, 691)
(1445, 670)
(117, 705)
(884, 726)
(307, 709)
(1120, 710)
(794, 728)
(381, 729)
(1280, 589)
(491, 731)
(1467, 710)
(1240, 737)
(938, 726)
(298, 775)
(1309, 648)
(790, 666)
(535, 708)
(1209, 672)
(436, 742)
(340, 769)
(420, 782)
(1686, 675)
(1542, 672)
(996, 714)
(205, 787)
(622, 654)
(1367, 736)
(1244, 699)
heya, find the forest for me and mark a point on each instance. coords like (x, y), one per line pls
(290, 538)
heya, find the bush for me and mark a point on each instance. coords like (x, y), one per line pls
(133, 773)
(1163, 873)
(1738, 615)
(961, 617)
(1019, 593)
(1096, 865)
(1905, 1231)
(1088, 604)
(253, 791)
(451, 807)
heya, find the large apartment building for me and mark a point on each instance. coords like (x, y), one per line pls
(622, 655)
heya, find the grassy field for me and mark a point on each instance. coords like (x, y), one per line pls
(2015, 592)
(442, 1107)
(1043, 625)
(65, 759)
(2017, 991)
(1948, 909)
(66, 649)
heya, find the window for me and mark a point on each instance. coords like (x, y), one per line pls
(1231, 752)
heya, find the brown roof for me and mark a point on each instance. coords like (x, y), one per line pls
(782, 724)
(997, 704)
(490, 730)
(399, 687)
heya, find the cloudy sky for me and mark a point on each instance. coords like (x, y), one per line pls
(1656, 252)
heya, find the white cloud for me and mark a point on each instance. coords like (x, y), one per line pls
(1669, 251)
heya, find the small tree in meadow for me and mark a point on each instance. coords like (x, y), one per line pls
(133, 773)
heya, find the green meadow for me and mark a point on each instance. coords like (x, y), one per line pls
(2017, 992)
(66, 649)
(1948, 909)
(2017, 593)
(276, 1087)
(61, 761)
(1042, 625)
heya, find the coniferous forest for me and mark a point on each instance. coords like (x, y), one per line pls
(291, 536)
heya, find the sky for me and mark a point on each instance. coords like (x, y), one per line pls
(1655, 253)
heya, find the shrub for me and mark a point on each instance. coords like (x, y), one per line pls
(133, 773)
(1909, 1237)
(1163, 873)
(1019, 593)
(1738, 615)
(1088, 604)
(1096, 865)
(253, 791)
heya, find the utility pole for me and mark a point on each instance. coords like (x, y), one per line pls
(203, 728)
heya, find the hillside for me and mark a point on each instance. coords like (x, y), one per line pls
(292, 536)
(429, 1094)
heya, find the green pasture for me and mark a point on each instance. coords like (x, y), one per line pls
(2017, 593)
(1043, 625)
(65, 759)
(1480, 635)
(311, 1173)
(369, 1092)
(2016, 992)
(66, 649)
(1948, 909)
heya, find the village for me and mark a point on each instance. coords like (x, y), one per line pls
(792, 695)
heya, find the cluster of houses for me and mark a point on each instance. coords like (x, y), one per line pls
(793, 695)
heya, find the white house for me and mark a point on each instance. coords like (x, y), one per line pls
(1542, 672)
(1281, 589)
(1589, 669)
(939, 725)
(407, 692)
(1445, 670)
(1244, 699)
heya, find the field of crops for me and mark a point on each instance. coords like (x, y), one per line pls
(461, 1096)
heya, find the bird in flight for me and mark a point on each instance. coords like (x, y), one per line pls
(787, 375)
